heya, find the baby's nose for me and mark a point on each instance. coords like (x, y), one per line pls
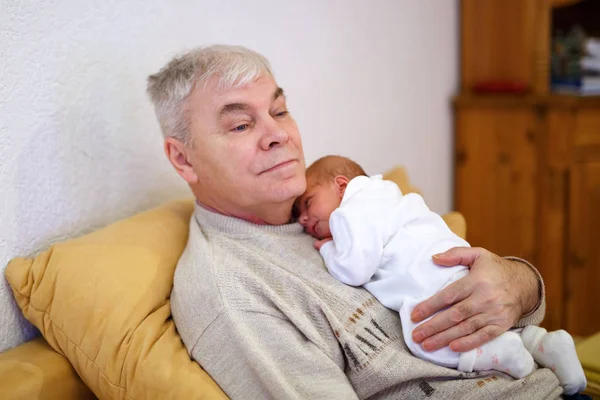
(303, 219)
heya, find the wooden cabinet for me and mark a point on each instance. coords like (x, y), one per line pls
(527, 179)
(527, 167)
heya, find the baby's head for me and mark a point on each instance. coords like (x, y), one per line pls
(326, 181)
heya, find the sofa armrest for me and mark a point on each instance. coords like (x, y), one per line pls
(34, 370)
(457, 223)
(588, 351)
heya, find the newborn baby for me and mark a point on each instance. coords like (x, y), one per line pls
(372, 235)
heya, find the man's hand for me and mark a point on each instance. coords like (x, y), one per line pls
(319, 243)
(484, 304)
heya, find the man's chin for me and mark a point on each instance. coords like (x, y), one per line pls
(279, 190)
(295, 186)
(283, 193)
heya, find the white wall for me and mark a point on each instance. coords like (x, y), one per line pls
(79, 145)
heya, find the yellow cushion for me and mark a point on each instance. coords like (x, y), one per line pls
(102, 301)
(588, 351)
(35, 371)
(400, 177)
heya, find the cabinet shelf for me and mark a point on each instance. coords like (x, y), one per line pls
(509, 100)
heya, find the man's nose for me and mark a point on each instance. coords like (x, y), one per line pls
(273, 136)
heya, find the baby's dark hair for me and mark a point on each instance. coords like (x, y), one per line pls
(328, 167)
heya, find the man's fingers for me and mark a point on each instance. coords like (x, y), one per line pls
(465, 328)
(451, 294)
(458, 256)
(477, 339)
(444, 320)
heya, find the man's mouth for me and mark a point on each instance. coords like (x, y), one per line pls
(280, 165)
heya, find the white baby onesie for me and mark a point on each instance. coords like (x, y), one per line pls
(384, 241)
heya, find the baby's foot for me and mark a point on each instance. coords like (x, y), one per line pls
(506, 353)
(556, 350)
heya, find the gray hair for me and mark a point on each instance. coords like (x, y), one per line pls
(169, 88)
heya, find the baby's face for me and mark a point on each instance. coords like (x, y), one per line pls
(316, 205)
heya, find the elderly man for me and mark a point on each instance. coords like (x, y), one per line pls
(252, 300)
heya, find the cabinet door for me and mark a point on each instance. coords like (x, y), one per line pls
(583, 263)
(583, 254)
(495, 182)
(554, 152)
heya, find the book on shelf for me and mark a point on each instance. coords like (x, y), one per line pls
(592, 47)
(589, 63)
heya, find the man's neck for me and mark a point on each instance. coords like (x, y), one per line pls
(273, 214)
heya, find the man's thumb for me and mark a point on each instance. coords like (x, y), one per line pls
(458, 256)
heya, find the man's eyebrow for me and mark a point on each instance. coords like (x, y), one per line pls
(233, 107)
(277, 93)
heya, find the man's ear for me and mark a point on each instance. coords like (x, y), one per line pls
(178, 155)
(340, 184)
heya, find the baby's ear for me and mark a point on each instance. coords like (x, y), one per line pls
(341, 182)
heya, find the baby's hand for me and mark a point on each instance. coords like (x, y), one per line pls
(319, 243)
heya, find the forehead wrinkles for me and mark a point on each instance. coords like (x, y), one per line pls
(258, 94)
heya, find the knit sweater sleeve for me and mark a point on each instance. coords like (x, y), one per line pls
(272, 359)
(535, 316)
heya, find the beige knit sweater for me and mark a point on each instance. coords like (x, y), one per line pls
(258, 310)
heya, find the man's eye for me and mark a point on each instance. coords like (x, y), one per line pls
(241, 128)
(282, 114)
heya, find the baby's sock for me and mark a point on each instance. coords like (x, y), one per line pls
(556, 350)
(506, 353)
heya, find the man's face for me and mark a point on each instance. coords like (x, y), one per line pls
(246, 148)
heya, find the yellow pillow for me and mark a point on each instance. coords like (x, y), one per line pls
(588, 351)
(455, 220)
(102, 301)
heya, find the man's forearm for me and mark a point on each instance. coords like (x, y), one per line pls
(533, 292)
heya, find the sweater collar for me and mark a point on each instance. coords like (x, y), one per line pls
(231, 225)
